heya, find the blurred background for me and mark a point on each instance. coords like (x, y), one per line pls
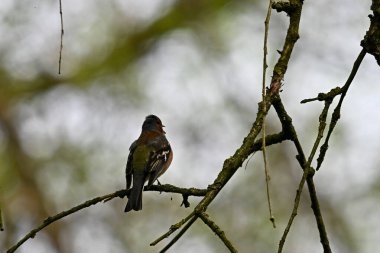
(197, 65)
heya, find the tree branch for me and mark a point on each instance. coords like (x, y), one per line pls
(294, 212)
(336, 114)
(308, 173)
(107, 197)
(290, 40)
(371, 40)
(172, 229)
(232, 164)
(179, 235)
(308, 170)
(220, 233)
(318, 214)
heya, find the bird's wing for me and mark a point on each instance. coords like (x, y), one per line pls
(128, 169)
(159, 159)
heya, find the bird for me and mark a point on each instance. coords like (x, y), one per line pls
(149, 157)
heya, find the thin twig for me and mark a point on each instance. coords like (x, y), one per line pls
(166, 188)
(172, 229)
(336, 114)
(288, 128)
(318, 215)
(321, 129)
(286, 119)
(107, 197)
(175, 189)
(294, 212)
(220, 233)
(249, 158)
(265, 66)
(325, 96)
(56, 217)
(62, 32)
(306, 172)
(179, 235)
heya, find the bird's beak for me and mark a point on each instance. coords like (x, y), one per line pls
(163, 129)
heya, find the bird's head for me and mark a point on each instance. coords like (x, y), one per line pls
(153, 123)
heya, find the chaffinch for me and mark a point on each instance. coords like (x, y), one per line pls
(149, 157)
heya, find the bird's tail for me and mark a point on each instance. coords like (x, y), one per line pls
(135, 198)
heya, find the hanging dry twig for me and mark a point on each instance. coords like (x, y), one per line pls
(265, 66)
(62, 32)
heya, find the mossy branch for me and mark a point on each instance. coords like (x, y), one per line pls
(371, 40)
(232, 164)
